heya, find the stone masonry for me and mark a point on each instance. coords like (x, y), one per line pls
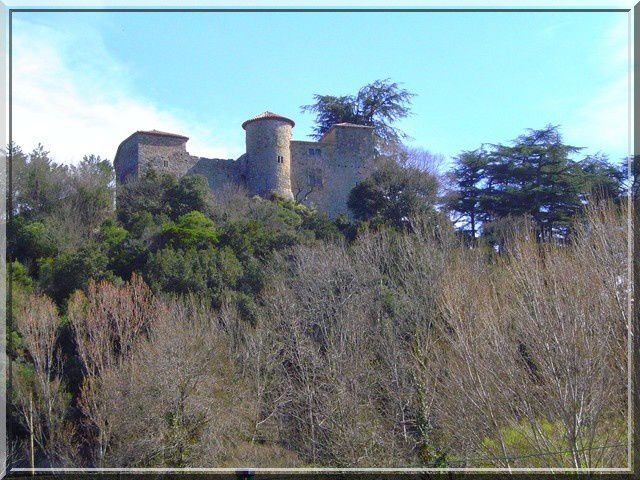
(319, 174)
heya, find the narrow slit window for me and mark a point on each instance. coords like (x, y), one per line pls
(166, 163)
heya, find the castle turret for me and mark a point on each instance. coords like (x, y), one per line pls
(268, 138)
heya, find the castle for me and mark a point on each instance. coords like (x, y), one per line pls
(319, 174)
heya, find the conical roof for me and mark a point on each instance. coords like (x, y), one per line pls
(268, 116)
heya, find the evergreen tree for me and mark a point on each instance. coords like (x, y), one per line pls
(468, 176)
(378, 105)
(603, 179)
(535, 177)
(393, 195)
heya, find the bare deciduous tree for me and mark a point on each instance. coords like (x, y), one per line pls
(531, 360)
(39, 394)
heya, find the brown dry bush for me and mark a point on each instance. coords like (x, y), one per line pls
(341, 326)
(393, 351)
(162, 390)
(39, 396)
(533, 356)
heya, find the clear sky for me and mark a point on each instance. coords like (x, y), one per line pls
(85, 81)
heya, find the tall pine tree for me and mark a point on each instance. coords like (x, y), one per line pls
(468, 175)
(535, 177)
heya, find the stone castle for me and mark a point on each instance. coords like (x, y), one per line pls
(319, 174)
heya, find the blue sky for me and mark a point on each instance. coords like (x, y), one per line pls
(85, 81)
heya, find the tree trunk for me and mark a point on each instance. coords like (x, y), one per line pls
(33, 459)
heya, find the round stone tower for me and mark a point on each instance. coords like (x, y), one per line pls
(268, 138)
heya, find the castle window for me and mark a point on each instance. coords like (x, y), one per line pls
(280, 159)
(314, 180)
(166, 163)
(311, 151)
(318, 151)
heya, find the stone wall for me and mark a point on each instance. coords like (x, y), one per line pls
(309, 171)
(165, 154)
(319, 174)
(126, 160)
(352, 162)
(143, 150)
(325, 179)
(268, 157)
(219, 172)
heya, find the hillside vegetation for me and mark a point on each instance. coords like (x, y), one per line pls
(475, 318)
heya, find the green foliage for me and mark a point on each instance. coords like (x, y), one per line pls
(348, 228)
(143, 200)
(92, 194)
(188, 194)
(520, 446)
(20, 277)
(254, 278)
(312, 306)
(247, 308)
(70, 271)
(39, 184)
(190, 230)
(155, 198)
(379, 104)
(392, 195)
(112, 234)
(126, 254)
(127, 257)
(209, 271)
(28, 241)
(248, 238)
(534, 177)
(467, 174)
(71, 201)
(22, 285)
(602, 179)
(322, 227)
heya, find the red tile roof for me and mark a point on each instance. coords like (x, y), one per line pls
(164, 134)
(268, 116)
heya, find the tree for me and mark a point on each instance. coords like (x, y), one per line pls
(158, 366)
(73, 270)
(91, 200)
(191, 230)
(393, 195)
(38, 392)
(208, 272)
(533, 177)
(108, 322)
(602, 179)
(142, 203)
(150, 200)
(29, 241)
(527, 368)
(69, 201)
(467, 176)
(189, 194)
(39, 184)
(379, 104)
